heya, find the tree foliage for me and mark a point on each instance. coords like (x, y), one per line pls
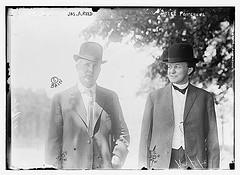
(209, 29)
(32, 123)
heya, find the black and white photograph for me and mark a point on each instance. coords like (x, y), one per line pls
(120, 88)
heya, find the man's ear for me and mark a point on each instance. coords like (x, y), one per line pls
(77, 67)
(190, 69)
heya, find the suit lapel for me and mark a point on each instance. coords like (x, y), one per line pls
(97, 111)
(78, 104)
(169, 101)
(191, 96)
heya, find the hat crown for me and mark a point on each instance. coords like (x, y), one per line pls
(91, 50)
(180, 52)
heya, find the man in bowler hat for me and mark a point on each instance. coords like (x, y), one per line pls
(87, 128)
(179, 129)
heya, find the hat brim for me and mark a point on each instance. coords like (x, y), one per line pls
(176, 60)
(77, 57)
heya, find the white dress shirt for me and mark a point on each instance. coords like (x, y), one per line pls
(86, 96)
(178, 108)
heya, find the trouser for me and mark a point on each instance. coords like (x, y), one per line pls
(178, 160)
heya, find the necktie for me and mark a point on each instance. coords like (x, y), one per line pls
(90, 114)
(180, 90)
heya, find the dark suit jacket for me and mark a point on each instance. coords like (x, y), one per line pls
(200, 130)
(69, 145)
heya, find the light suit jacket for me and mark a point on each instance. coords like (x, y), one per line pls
(200, 130)
(69, 145)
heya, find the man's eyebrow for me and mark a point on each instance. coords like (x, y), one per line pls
(178, 64)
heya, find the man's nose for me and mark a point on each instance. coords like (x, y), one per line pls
(90, 68)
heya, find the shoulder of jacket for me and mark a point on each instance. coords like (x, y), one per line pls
(65, 92)
(201, 90)
(160, 90)
(105, 91)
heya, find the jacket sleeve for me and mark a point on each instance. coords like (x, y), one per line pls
(212, 139)
(53, 146)
(120, 131)
(145, 138)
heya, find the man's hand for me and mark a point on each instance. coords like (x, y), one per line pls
(116, 162)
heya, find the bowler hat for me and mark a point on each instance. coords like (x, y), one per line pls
(91, 51)
(180, 52)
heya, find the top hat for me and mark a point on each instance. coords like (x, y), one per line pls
(90, 51)
(180, 52)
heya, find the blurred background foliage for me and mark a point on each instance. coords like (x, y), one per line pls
(31, 125)
(209, 30)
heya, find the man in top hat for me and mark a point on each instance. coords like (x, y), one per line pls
(179, 128)
(87, 128)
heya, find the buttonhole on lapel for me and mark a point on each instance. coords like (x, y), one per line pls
(105, 116)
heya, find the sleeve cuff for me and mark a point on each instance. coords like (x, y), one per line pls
(121, 151)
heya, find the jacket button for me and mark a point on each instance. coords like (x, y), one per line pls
(99, 157)
(89, 141)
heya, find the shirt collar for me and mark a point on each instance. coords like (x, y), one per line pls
(84, 89)
(181, 86)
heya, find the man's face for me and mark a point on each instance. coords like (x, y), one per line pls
(88, 72)
(178, 72)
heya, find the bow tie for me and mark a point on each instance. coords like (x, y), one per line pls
(180, 90)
